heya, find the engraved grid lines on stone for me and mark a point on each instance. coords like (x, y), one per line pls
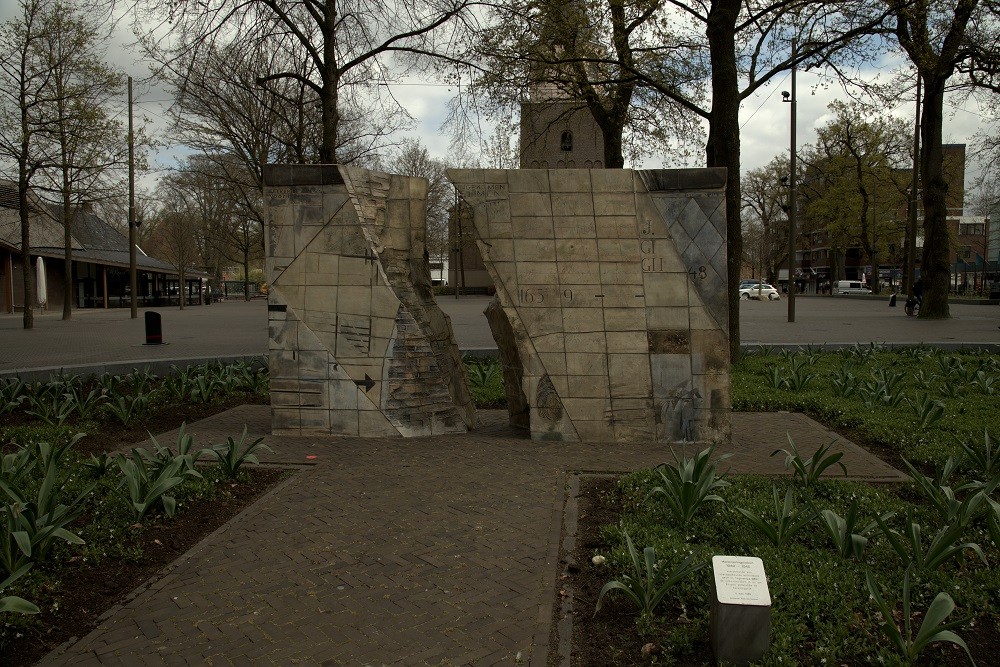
(340, 294)
(697, 223)
(289, 238)
(596, 282)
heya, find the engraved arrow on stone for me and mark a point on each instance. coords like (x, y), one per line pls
(367, 383)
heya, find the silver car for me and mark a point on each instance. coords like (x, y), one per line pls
(759, 291)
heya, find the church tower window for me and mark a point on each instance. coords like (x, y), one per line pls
(566, 141)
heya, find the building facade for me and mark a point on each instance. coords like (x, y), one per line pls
(819, 262)
(100, 267)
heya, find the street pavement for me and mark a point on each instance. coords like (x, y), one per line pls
(423, 551)
(98, 340)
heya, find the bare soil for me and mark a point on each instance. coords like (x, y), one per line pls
(611, 636)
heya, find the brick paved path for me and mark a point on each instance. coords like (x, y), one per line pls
(436, 551)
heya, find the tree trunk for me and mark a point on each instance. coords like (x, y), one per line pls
(28, 319)
(181, 288)
(246, 276)
(68, 257)
(935, 267)
(723, 148)
(873, 261)
(613, 157)
(329, 92)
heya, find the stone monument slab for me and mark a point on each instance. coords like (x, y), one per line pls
(613, 284)
(357, 344)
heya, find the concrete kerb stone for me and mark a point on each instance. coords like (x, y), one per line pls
(545, 634)
(834, 347)
(163, 366)
(158, 366)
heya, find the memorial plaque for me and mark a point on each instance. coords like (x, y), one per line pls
(740, 618)
(741, 580)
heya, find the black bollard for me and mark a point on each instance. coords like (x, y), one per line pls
(154, 329)
(892, 301)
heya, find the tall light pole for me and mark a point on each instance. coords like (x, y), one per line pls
(133, 282)
(792, 178)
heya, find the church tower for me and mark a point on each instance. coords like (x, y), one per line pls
(558, 132)
(557, 129)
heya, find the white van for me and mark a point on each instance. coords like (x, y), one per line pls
(851, 287)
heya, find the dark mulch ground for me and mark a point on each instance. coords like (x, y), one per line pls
(612, 638)
(87, 590)
(110, 435)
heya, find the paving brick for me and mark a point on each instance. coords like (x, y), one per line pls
(426, 551)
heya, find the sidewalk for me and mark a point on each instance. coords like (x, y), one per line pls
(427, 551)
(98, 340)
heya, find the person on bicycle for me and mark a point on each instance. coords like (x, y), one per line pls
(918, 290)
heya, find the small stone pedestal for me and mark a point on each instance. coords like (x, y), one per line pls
(741, 610)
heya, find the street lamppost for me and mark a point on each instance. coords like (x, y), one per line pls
(132, 280)
(790, 98)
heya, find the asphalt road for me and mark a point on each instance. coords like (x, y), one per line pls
(94, 339)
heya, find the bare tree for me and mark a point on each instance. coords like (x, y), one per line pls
(84, 140)
(229, 208)
(25, 91)
(584, 55)
(764, 216)
(707, 57)
(349, 44)
(220, 109)
(413, 159)
(174, 234)
(860, 157)
(941, 38)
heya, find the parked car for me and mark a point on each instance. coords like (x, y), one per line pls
(759, 291)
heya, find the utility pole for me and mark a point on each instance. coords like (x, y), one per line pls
(133, 282)
(792, 178)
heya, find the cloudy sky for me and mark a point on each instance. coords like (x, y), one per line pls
(764, 118)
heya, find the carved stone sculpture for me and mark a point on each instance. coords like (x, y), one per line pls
(357, 344)
(613, 283)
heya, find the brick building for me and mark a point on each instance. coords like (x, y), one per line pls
(818, 261)
(100, 270)
(558, 132)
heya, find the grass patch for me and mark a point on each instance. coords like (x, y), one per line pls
(918, 402)
(821, 609)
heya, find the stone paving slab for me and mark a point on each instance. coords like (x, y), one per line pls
(425, 551)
